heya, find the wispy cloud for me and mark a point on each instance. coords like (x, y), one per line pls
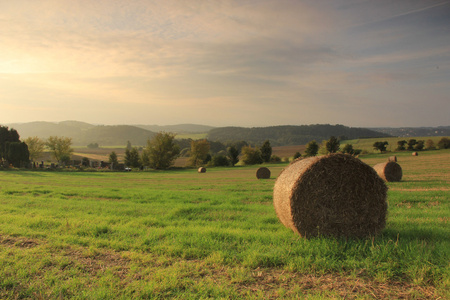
(244, 61)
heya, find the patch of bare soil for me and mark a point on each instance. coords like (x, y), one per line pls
(272, 283)
(347, 287)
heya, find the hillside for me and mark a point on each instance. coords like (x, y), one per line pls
(415, 131)
(179, 129)
(83, 134)
(290, 135)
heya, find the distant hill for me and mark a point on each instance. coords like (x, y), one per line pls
(83, 134)
(290, 135)
(415, 131)
(180, 128)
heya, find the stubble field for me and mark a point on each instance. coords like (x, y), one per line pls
(184, 235)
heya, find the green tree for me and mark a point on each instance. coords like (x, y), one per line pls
(266, 151)
(128, 145)
(219, 161)
(92, 145)
(429, 145)
(380, 146)
(233, 155)
(419, 145)
(132, 158)
(7, 135)
(85, 162)
(17, 153)
(297, 155)
(444, 143)
(238, 145)
(312, 148)
(251, 156)
(332, 145)
(411, 144)
(401, 145)
(35, 147)
(113, 160)
(348, 148)
(199, 152)
(161, 151)
(60, 147)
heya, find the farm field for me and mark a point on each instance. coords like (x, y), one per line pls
(183, 235)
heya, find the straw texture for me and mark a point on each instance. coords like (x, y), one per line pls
(389, 171)
(263, 173)
(334, 195)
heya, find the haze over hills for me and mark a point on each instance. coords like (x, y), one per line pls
(290, 135)
(180, 128)
(415, 131)
(83, 133)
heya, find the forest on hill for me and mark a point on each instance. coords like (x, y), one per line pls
(290, 135)
(83, 133)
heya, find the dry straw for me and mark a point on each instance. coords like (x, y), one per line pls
(334, 195)
(202, 170)
(392, 158)
(389, 171)
(415, 154)
(263, 173)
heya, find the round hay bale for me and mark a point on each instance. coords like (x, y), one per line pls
(392, 158)
(415, 154)
(263, 173)
(389, 171)
(202, 170)
(334, 195)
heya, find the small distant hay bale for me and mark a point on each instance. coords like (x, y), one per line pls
(392, 158)
(334, 195)
(389, 171)
(263, 173)
(202, 170)
(415, 154)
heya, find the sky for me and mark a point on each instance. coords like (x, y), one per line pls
(251, 63)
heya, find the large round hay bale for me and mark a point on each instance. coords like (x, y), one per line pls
(392, 158)
(202, 170)
(415, 154)
(389, 171)
(263, 173)
(334, 195)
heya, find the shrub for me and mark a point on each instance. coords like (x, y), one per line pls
(219, 161)
(251, 156)
(275, 159)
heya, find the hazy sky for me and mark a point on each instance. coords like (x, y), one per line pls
(363, 63)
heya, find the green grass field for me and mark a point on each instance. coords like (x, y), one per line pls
(183, 235)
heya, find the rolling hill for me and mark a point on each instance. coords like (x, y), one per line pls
(83, 134)
(290, 135)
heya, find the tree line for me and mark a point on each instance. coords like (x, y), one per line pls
(414, 145)
(162, 150)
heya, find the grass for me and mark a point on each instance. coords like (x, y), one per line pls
(181, 234)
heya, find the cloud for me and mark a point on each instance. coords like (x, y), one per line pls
(288, 59)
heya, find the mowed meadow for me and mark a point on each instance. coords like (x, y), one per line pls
(185, 235)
